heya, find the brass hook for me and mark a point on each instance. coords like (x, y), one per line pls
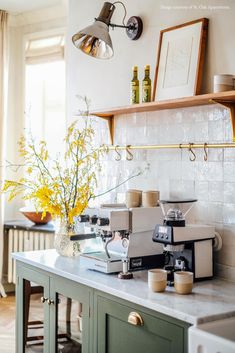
(205, 153)
(193, 157)
(118, 157)
(129, 155)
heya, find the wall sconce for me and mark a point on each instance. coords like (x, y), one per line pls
(95, 40)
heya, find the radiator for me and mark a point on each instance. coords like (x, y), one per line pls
(24, 240)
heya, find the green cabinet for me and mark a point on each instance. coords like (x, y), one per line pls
(129, 328)
(53, 313)
(68, 317)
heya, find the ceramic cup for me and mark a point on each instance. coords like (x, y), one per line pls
(183, 282)
(223, 83)
(133, 198)
(150, 198)
(157, 280)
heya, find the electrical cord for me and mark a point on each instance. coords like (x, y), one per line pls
(124, 7)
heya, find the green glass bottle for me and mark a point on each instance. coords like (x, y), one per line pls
(146, 85)
(135, 87)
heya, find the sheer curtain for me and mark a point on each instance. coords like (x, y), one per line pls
(3, 105)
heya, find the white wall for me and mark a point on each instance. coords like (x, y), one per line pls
(106, 83)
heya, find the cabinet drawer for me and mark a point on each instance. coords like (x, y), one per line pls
(116, 334)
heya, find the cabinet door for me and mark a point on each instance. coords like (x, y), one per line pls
(115, 334)
(70, 326)
(32, 323)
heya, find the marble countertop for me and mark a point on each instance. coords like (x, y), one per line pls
(210, 300)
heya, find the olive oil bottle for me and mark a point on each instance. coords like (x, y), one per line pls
(146, 85)
(135, 87)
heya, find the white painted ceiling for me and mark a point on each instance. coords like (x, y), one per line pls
(18, 6)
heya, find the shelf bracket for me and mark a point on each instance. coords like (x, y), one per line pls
(231, 107)
(110, 120)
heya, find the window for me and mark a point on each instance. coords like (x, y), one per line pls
(45, 91)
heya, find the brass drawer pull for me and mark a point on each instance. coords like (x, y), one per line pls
(43, 299)
(135, 319)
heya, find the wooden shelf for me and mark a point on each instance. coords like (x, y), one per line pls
(227, 99)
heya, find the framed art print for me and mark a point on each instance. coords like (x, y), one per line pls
(180, 60)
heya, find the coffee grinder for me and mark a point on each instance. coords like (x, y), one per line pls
(187, 247)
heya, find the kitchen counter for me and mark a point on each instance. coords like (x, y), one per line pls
(211, 300)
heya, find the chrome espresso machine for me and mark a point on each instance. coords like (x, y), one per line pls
(186, 246)
(122, 239)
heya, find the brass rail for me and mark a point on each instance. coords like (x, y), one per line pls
(172, 146)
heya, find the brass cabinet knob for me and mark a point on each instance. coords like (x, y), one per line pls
(135, 319)
(43, 299)
(50, 301)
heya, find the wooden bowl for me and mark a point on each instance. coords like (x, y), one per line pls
(36, 217)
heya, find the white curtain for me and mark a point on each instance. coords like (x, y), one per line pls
(3, 105)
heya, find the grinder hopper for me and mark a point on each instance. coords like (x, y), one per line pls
(174, 211)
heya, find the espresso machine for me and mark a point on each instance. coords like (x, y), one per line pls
(123, 239)
(187, 247)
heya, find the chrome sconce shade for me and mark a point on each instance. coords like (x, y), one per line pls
(95, 40)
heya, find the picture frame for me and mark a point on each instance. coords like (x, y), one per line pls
(180, 60)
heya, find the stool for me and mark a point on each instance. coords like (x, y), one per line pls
(28, 291)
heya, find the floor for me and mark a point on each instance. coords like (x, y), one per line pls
(7, 324)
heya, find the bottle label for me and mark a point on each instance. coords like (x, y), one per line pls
(134, 94)
(146, 93)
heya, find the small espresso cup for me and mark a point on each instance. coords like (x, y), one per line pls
(183, 282)
(157, 280)
(133, 198)
(150, 198)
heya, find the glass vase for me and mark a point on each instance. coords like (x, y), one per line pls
(62, 243)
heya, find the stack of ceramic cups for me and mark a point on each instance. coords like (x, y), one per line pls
(137, 198)
(224, 83)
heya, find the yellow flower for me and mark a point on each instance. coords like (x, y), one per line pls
(63, 190)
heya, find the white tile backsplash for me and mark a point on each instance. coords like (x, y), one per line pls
(201, 131)
(216, 130)
(229, 193)
(187, 170)
(171, 171)
(229, 154)
(229, 171)
(216, 191)
(215, 171)
(202, 190)
(229, 213)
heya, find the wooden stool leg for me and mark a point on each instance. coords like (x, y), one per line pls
(27, 292)
(68, 316)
